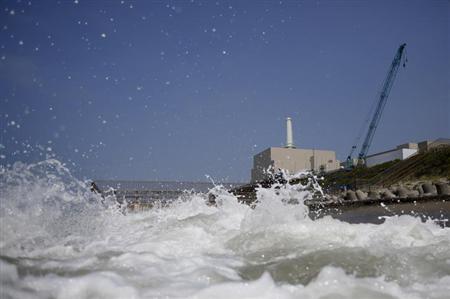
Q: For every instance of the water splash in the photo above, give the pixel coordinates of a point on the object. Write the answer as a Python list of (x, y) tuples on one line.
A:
[(60, 240), (43, 204)]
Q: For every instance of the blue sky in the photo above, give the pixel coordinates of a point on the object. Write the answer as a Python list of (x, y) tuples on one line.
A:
[(176, 90)]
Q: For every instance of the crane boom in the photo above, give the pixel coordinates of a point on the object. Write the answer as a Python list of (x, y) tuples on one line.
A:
[(387, 85)]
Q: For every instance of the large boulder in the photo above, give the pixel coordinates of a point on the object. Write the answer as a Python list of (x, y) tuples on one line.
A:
[(361, 195), (429, 189), (350, 195), (402, 192), (387, 194), (413, 193), (419, 189), (373, 195), (442, 189), (333, 198)]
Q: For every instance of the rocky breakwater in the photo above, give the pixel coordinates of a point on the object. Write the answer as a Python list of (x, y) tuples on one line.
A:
[(427, 200)]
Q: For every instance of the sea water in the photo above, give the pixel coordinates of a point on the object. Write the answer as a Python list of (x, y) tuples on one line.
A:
[(59, 240)]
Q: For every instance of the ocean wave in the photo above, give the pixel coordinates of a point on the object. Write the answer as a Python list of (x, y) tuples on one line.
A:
[(60, 240)]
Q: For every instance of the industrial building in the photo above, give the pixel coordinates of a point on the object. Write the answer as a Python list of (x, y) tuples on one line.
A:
[(404, 151), (401, 152), (292, 159), (426, 145)]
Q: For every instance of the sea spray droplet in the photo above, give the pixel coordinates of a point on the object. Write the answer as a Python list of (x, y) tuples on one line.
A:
[(53, 224), (44, 202)]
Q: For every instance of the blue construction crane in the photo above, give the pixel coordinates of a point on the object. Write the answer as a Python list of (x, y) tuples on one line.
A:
[(387, 85)]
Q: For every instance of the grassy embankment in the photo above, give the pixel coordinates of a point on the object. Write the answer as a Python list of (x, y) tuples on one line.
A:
[(431, 165)]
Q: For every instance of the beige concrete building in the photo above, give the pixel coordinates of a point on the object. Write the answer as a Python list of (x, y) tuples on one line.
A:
[(427, 144), (293, 160)]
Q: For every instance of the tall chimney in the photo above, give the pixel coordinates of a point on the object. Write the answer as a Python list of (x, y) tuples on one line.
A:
[(289, 138)]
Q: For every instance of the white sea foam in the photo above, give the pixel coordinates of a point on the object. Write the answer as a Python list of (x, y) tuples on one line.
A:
[(59, 240)]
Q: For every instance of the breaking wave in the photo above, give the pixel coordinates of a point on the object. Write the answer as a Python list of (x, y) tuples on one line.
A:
[(60, 240)]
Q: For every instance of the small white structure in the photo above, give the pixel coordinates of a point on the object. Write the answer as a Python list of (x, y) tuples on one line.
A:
[(401, 152)]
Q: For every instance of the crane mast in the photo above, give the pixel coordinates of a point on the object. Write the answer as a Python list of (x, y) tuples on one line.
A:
[(387, 85)]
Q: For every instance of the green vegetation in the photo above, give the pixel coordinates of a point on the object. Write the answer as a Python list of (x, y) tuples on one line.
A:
[(434, 163), (356, 176)]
